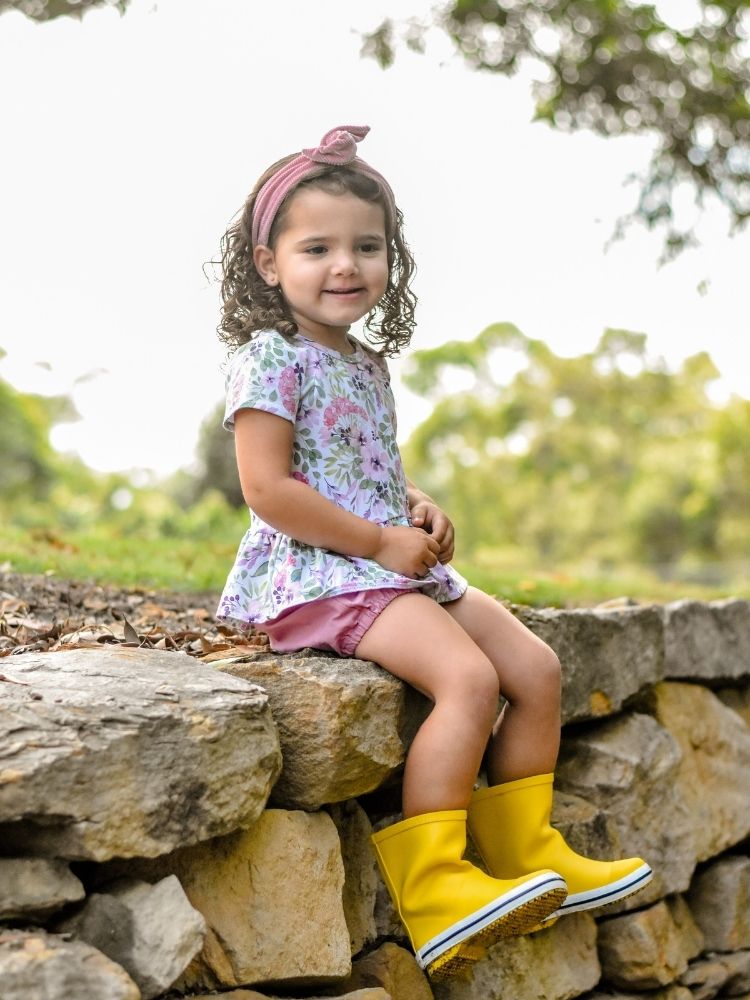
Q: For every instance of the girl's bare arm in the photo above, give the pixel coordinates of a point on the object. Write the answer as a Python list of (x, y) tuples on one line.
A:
[(264, 455)]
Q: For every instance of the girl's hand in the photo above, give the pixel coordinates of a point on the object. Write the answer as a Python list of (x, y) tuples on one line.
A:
[(408, 551), (426, 514)]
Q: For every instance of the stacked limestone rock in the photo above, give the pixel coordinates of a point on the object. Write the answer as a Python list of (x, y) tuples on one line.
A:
[(143, 856)]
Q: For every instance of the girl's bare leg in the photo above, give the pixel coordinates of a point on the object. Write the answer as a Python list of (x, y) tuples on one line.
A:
[(415, 639), (526, 736)]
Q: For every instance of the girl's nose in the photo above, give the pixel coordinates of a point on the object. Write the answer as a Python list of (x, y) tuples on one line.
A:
[(344, 263)]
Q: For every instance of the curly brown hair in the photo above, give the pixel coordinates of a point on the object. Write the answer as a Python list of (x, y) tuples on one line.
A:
[(250, 305)]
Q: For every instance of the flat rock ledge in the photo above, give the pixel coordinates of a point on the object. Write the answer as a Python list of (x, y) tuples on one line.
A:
[(344, 724), (120, 752)]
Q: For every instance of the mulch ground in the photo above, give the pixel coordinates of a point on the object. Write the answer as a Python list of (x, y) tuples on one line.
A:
[(45, 614)]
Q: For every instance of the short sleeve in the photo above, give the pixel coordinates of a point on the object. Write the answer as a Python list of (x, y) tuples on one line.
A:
[(265, 374)]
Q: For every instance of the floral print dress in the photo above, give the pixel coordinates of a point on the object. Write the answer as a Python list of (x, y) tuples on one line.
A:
[(345, 447)]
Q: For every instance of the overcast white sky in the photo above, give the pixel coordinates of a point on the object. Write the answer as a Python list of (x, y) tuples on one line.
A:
[(129, 143)]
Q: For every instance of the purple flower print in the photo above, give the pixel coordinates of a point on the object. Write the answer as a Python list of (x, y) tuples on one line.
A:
[(279, 586), (229, 604), (235, 395), (375, 462)]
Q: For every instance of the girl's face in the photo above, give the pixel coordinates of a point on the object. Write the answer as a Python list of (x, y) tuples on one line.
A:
[(330, 260)]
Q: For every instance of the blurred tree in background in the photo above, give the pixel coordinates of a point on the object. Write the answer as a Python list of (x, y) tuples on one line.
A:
[(616, 68), (29, 464), (47, 10), (216, 464), (596, 464), (57, 515), (607, 456)]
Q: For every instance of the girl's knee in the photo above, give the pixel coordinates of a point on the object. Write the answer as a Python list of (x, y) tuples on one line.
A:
[(545, 672), (549, 664), (539, 682), (475, 684)]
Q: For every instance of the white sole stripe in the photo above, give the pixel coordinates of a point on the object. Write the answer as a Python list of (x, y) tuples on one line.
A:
[(480, 919), (605, 894)]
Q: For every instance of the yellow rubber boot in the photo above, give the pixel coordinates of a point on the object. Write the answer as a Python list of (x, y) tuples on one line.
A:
[(510, 826), (451, 909)]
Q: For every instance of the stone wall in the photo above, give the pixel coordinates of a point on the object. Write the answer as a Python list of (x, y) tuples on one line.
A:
[(172, 828)]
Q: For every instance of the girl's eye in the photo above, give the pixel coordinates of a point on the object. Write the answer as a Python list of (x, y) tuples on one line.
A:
[(370, 248), (316, 250)]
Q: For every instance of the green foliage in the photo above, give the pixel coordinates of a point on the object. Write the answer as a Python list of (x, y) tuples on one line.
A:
[(606, 457), (615, 67), (47, 10), (217, 464), (560, 478), (29, 464)]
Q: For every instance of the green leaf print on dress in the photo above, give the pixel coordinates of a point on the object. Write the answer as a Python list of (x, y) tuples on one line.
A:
[(345, 447)]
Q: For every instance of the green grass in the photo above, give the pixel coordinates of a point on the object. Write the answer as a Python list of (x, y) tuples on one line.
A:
[(108, 554), (579, 589), (128, 560)]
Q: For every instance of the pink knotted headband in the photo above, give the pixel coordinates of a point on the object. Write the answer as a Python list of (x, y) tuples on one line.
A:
[(337, 148)]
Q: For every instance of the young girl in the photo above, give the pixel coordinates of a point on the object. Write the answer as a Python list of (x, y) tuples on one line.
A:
[(346, 554)]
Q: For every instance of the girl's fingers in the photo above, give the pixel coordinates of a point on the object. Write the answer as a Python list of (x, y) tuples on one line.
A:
[(418, 514)]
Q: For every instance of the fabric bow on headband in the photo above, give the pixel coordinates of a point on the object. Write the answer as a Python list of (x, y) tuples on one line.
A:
[(337, 148)]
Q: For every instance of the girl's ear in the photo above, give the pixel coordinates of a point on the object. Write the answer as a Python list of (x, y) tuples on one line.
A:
[(265, 265)]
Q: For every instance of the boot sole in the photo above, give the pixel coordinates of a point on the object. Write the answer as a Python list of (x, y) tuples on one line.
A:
[(605, 895), (455, 951)]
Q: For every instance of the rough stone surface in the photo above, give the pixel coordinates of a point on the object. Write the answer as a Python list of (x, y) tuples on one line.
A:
[(39, 966), (738, 699), (556, 964), (120, 752), (628, 768), (720, 901), (231, 995), (360, 873), (607, 655), (672, 992), (343, 724), (738, 963), (271, 897), (393, 969), (587, 829), (705, 977), (649, 948), (714, 774), (707, 641), (36, 887), (152, 931), (367, 994)]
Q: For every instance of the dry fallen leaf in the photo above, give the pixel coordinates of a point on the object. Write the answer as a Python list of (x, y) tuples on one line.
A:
[(129, 632), (40, 612)]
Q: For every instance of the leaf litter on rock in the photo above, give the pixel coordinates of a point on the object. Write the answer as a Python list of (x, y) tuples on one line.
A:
[(40, 613)]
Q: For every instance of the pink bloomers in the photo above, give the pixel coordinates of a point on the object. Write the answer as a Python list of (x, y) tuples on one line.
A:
[(336, 623)]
